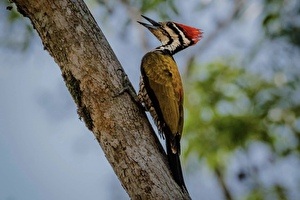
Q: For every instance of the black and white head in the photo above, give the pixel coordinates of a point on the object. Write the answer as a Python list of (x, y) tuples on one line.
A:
[(173, 36)]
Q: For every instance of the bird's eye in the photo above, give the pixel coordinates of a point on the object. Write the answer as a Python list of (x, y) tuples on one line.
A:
[(169, 23)]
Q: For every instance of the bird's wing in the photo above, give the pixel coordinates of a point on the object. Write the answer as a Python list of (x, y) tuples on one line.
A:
[(163, 78)]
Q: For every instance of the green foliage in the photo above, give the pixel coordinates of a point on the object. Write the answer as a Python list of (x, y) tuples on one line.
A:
[(227, 108), (161, 7), (281, 19), (260, 193)]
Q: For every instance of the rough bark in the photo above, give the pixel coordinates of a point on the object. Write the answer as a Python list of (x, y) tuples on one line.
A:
[(93, 76)]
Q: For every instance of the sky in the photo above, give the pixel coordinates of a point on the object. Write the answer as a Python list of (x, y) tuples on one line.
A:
[(47, 153)]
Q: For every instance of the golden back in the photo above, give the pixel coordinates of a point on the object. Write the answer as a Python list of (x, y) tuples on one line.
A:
[(165, 81)]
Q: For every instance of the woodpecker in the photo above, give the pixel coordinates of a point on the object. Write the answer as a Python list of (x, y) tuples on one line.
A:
[(161, 90)]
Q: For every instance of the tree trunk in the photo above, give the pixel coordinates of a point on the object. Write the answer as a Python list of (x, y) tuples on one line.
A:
[(94, 76)]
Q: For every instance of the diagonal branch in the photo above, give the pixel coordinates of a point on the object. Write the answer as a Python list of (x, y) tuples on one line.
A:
[(93, 75)]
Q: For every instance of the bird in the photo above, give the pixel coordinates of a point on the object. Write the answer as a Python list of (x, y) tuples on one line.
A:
[(160, 88)]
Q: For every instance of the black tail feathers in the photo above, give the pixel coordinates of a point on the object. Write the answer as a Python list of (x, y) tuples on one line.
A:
[(174, 163)]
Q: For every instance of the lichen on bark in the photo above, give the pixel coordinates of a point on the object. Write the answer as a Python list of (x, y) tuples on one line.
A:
[(73, 86)]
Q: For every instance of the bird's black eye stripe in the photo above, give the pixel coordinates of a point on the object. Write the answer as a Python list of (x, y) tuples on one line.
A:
[(170, 39), (176, 30), (181, 29)]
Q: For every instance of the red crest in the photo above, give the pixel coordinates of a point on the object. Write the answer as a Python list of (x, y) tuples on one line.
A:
[(192, 33)]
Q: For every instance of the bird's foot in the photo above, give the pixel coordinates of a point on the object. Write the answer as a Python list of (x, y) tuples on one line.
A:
[(127, 87)]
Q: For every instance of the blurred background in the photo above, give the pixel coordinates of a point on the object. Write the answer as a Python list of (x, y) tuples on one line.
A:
[(242, 102)]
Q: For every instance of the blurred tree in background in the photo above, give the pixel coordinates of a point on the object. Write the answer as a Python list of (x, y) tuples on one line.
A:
[(231, 101), (228, 107)]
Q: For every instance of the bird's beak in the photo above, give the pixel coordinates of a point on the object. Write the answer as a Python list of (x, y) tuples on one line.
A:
[(153, 24)]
